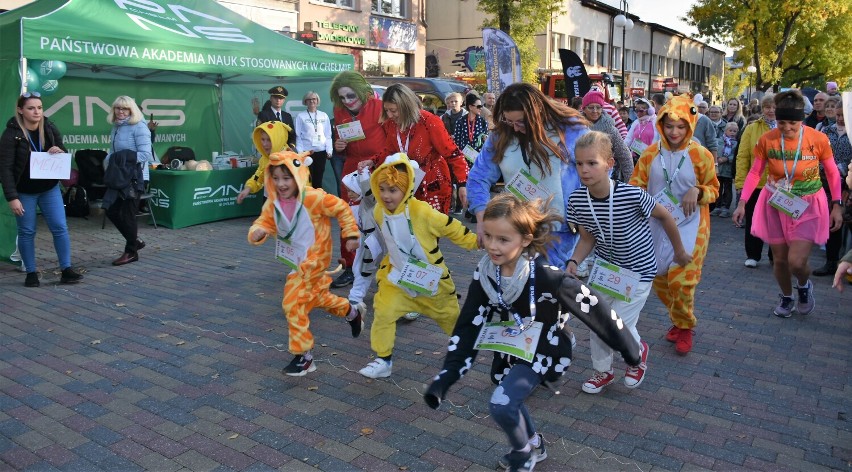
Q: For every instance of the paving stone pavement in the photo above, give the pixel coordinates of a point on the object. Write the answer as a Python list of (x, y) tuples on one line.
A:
[(173, 363)]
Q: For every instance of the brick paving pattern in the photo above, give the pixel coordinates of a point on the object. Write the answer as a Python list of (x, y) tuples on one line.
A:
[(173, 363)]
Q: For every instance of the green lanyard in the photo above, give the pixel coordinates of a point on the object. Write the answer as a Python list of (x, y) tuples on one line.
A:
[(666, 171), (792, 174), (410, 231)]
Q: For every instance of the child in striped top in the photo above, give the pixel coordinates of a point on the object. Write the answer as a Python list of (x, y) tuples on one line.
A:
[(612, 218)]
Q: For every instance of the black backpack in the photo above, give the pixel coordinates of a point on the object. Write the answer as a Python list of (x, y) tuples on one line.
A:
[(76, 202)]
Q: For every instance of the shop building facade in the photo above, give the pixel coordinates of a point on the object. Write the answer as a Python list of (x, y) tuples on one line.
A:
[(656, 58)]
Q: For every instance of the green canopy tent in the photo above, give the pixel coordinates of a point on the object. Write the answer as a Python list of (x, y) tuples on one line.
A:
[(206, 67)]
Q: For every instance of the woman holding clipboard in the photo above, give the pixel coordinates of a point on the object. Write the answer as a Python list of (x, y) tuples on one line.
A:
[(360, 137), (30, 132)]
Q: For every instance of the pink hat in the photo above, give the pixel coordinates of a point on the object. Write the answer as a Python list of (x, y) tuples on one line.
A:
[(593, 97)]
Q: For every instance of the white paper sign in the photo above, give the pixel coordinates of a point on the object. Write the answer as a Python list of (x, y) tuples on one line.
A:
[(351, 131), (420, 276), (470, 153), (671, 204), (50, 166), (526, 187)]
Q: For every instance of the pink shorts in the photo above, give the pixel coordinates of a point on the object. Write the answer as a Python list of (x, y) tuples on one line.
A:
[(775, 227)]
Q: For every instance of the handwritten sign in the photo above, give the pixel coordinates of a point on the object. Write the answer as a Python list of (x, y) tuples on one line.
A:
[(50, 166)]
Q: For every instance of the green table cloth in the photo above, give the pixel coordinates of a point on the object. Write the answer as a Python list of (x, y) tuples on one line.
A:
[(184, 198)]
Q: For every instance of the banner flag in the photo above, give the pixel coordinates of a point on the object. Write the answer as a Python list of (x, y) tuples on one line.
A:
[(502, 60), (577, 80)]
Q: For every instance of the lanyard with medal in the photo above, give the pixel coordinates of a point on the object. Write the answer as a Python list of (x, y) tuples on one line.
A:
[(611, 279), (407, 141), (783, 199), (791, 174), (518, 321)]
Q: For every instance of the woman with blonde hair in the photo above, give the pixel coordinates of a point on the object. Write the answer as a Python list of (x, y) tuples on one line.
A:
[(27, 132), (423, 137), (313, 133), (129, 132)]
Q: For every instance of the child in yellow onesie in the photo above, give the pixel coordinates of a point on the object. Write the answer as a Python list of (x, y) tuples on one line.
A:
[(412, 277), (298, 216), (268, 137), (681, 175)]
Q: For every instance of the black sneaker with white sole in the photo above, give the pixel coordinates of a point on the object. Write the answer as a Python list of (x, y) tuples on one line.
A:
[(299, 366), (538, 454)]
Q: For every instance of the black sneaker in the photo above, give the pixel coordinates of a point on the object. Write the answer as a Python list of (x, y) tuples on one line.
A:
[(346, 278), (299, 366), (70, 276), (357, 323), (538, 454), (32, 280)]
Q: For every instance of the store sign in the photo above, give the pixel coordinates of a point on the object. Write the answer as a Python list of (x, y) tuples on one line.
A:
[(640, 82), (338, 33)]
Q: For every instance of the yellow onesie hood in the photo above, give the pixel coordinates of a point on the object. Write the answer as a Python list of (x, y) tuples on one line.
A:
[(278, 133), (389, 174), (299, 166), (678, 108)]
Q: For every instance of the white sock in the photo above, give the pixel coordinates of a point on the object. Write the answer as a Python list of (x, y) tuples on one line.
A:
[(535, 441), (308, 355), (353, 312)]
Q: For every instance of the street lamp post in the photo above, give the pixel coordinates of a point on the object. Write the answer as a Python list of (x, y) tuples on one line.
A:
[(622, 21), (751, 70)]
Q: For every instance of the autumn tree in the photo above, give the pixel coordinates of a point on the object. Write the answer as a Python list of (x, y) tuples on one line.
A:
[(522, 20), (791, 43)]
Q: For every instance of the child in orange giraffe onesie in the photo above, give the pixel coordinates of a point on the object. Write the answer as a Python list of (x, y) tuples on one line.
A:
[(681, 175), (298, 217)]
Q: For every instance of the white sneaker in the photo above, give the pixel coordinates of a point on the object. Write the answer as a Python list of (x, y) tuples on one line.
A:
[(751, 263), (377, 369), (411, 316)]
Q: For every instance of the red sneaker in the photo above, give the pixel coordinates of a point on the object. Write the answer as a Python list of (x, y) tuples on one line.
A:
[(635, 375), (598, 382), (673, 334), (684, 342)]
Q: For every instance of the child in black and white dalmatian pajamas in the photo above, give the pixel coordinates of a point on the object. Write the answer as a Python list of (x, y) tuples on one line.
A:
[(514, 284)]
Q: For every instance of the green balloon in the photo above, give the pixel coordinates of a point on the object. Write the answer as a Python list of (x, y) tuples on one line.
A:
[(32, 80), (48, 87), (50, 70)]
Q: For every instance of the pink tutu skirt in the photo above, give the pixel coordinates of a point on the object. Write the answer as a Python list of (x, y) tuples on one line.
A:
[(775, 227)]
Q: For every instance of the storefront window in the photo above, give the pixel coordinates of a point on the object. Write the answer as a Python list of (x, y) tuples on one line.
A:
[(383, 63)]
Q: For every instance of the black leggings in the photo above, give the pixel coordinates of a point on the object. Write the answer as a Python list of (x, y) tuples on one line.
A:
[(122, 213)]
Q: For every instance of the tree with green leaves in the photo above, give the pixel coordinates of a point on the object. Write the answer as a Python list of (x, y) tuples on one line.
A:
[(522, 20), (791, 43)]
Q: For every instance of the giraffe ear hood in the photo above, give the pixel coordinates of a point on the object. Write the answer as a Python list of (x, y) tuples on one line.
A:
[(678, 108), (297, 164)]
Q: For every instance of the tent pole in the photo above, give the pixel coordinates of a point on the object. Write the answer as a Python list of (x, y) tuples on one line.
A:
[(220, 84)]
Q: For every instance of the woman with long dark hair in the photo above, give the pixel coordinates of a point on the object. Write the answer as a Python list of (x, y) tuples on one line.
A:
[(532, 149)]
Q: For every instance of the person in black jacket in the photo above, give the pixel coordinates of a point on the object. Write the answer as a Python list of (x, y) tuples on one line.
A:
[(273, 110), (534, 300), (29, 131)]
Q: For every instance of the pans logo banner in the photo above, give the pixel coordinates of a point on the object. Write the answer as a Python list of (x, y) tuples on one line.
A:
[(181, 20)]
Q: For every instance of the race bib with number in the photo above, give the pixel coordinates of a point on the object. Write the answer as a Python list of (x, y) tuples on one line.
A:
[(638, 146), (787, 203), (351, 131), (470, 153), (526, 187), (615, 281), (667, 199), (286, 253), (499, 337), (420, 276)]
